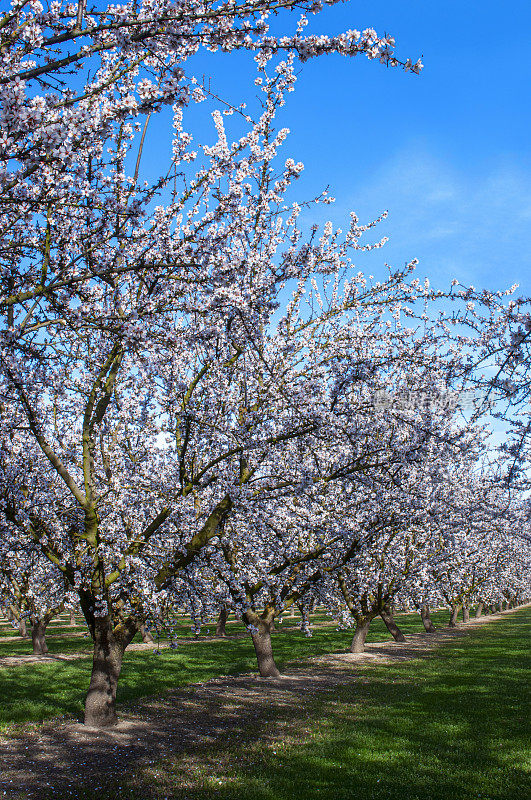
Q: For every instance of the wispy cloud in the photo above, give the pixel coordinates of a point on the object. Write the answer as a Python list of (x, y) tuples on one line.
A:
[(459, 223)]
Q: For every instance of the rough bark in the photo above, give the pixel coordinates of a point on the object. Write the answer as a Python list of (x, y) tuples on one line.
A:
[(360, 634), (261, 636), (466, 613), (147, 638), (479, 609), (387, 616), (100, 704), (222, 621), (500, 606), (38, 638), (453, 615), (429, 627), (22, 630)]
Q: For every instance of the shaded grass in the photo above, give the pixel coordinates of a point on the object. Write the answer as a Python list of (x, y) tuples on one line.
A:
[(35, 692)]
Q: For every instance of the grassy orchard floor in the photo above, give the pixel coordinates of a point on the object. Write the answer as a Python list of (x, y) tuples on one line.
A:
[(36, 692), (451, 725)]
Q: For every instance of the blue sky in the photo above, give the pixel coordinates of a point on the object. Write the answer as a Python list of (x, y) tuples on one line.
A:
[(447, 153)]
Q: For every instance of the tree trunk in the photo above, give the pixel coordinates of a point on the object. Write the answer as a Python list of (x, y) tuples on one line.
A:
[(22, 630), (147, 638), (387, 616), (429, 627), (500, 606), (360, 634), (100, 705), (453, 615), (38, 638), (479, 609), (466, 613), (261, 636), (222, 621), (72, 618)]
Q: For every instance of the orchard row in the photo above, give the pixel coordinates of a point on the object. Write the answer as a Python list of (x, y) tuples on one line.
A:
[(205, 404)]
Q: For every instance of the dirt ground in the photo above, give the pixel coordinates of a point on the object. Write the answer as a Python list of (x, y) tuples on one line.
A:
[(46, 758)]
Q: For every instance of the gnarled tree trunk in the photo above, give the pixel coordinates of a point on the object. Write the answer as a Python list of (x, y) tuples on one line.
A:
[(222, 621), (429, 627), (22, 630), (100, 704), (363, 623), (261, 636), (387, 616), (479, 609), (466, 613), (147, 638), (453, 615), (38, 638)]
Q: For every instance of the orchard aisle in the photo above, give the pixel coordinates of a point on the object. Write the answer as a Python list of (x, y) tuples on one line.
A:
[(56, 759)]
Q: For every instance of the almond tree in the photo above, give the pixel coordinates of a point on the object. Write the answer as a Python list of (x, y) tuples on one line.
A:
[(76, 78), (32, 589), (349, 497), (132, 329)]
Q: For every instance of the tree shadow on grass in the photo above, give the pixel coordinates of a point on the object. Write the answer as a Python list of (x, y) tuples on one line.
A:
[(445, 727), (456, 729)]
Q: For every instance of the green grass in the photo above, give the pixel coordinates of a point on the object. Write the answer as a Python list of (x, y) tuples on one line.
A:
[(452, 726), (35, 692)]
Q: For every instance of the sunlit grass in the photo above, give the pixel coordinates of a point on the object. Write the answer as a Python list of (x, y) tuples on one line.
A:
[(450, 726), (36, 692), (453, 726)]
